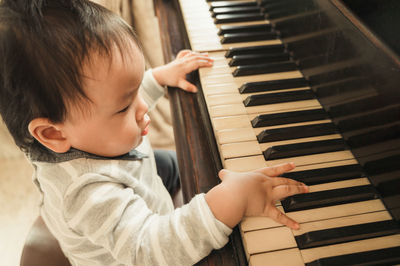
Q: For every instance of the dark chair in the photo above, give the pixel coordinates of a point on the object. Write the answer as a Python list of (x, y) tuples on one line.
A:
[(41, 248)]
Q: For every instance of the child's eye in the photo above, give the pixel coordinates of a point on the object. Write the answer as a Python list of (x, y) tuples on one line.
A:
[(124, 110)]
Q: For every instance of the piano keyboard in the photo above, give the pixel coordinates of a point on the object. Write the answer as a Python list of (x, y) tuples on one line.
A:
[(263, 113), (203, 33)]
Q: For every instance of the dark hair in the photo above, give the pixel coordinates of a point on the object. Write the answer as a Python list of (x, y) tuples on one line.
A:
[(43, 45)]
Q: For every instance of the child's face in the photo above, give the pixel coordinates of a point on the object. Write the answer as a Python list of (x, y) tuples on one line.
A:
[(116, 119)]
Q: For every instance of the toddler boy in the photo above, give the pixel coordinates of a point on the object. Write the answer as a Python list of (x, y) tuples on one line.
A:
[(75, 96)]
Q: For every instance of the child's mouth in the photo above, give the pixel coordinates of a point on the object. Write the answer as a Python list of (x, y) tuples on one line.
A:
[(147, 123), (145, 131)]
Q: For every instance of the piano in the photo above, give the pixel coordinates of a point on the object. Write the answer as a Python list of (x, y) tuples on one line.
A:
[(316, 82)]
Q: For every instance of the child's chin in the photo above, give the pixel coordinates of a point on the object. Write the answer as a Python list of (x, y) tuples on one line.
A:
[(138, 142)]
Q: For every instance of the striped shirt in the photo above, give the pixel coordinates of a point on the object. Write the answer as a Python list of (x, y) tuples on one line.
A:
[(116, 211)]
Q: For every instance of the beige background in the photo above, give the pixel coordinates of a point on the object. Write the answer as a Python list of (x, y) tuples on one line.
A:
[(18, 197)]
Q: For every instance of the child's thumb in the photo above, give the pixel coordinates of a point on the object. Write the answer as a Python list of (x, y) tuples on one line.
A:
[(223, 173), (187, 86)]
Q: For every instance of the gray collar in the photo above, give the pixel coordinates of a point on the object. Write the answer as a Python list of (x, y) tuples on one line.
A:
[(39, 153)]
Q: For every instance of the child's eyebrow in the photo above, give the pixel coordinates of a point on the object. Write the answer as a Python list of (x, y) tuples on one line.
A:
[(128, 94)]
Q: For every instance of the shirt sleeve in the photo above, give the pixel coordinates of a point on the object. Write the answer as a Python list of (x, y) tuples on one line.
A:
[(112, 216), (150, 89)]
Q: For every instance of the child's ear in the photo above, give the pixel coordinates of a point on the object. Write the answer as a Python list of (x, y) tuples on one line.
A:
[(49, 134)]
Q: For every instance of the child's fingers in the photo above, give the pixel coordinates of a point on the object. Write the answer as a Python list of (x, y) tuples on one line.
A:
[(202, 57), (183, 53), (191, 54), (195, 64), (276, 170), (187, 86), (283, 191), (282, 181), (281, 218), (199, 58)]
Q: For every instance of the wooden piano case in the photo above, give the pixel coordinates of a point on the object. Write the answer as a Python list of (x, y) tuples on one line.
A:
[(197, 153)]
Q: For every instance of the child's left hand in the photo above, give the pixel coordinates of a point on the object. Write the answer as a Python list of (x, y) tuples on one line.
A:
[(174, 73)]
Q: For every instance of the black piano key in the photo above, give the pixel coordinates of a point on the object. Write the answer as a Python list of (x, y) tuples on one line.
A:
[(264, 2), (385, 164), (258, 58), (282, 12), (248, 37), (227, 4), (329, 198), (303, 148), (326, 175), (244, 17), (235, 10), (289, 117), (272, 4), (296, 132), (264, 49), (387, 256), (371, 119), (271, 85), (374, 136), (347, 233), (246, 28), (389, 188), (280, 97), (340, 86), (355, 106), (264, 68)]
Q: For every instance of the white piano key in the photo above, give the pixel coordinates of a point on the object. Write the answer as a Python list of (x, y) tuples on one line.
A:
[(268, 240), (240, 121), (228, 78), (341, 210), (290, 257), (240, 149), (369, 217), (248, 163), (312, 254), (340, 184), (236, 136), (240, 109), (243, 121), (236, 97), (258, 222)]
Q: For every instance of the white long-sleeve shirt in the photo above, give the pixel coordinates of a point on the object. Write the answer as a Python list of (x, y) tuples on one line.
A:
[(116, 211)]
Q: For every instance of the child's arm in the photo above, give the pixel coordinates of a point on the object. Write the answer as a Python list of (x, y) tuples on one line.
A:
[(253, 193), (174, 73), (138, 226)]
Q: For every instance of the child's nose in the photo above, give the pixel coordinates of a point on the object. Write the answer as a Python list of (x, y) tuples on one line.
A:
[(142, 109)]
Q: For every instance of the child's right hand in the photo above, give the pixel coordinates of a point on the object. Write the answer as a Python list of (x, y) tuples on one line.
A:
[(253, 194), (174, 73)]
